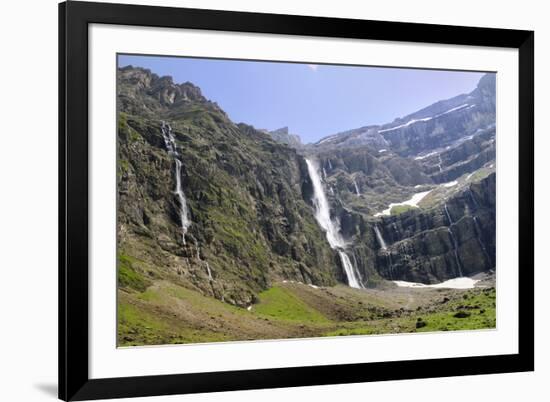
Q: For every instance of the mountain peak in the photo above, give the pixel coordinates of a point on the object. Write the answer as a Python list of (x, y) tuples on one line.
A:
[(283, 135), (488, 81)]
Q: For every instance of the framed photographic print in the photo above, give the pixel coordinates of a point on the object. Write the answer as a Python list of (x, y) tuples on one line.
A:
[(257, 200)]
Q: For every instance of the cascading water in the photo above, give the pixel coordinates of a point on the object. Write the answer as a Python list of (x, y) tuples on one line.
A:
[(322, 215), (209, 272), (455, 245), (170, 143), (439, 164), (349, 269), (207, 265), (384, 247), (390, 263), (448, 215), (455, 248), (380, 238), (480, 240), (356, 187), (356, 264)]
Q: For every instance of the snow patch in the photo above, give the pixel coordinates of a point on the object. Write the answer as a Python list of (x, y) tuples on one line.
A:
[(455, 283), (466, 105), (299, 283), (327, 139), (450, 184), (404, 125), (454, 109), (413, 202), (420, 157)]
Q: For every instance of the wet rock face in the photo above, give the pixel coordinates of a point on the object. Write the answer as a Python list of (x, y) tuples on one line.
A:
[(436, 245)]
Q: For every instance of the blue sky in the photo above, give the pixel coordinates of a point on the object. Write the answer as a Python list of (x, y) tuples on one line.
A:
[(312, 100)]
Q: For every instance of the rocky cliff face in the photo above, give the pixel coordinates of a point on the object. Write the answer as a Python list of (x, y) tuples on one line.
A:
[(248, 194), (455, 238), (446, 150), (450, 238), (445, 122), (250, 221)]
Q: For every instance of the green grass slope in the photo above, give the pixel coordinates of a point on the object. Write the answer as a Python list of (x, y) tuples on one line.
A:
[(166, 313)]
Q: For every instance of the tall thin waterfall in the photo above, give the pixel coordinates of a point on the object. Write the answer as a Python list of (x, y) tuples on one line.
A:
[(349, 269), (455, 248), (208, 270), (480, 240), (448, 215), (384, 247), (380, 238), (440, 163), (392, 275), (322, 215), (356, 187), (170, 143)]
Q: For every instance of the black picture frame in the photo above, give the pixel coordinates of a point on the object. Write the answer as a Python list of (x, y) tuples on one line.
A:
[(74, 18)]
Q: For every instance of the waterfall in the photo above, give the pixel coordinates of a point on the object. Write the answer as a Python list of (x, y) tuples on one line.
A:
[(392, 276), (439, 164), (185, 222), (198, 250), (208, 270), (329, 164), (380, 238), (455, 248), (480, 240), (384, 247), (322, 215), (349, 270), (455, 245), (170, 143), (448, 215), (356, 264), (169, 139), (356, 187), (324, 174)]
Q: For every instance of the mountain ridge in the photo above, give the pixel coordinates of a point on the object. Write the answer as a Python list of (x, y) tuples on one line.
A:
[(250, 196), (374, 134)]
